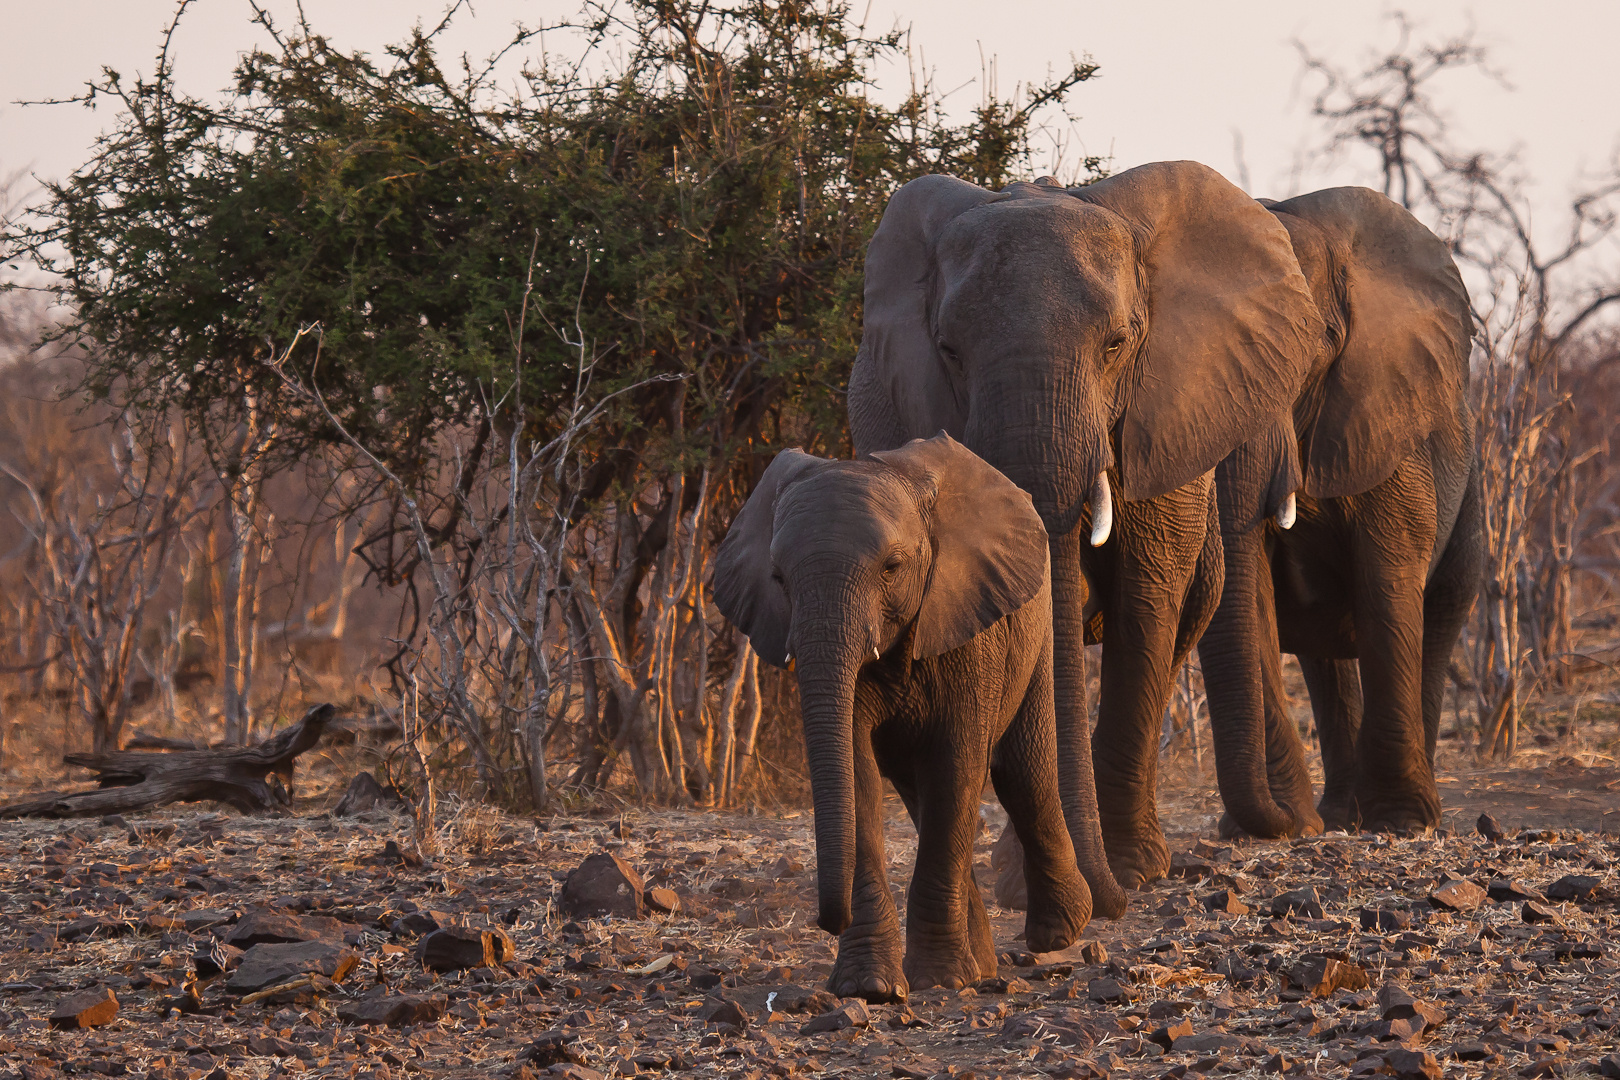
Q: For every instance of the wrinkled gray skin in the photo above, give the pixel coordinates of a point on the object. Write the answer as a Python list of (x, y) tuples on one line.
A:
[(1371, 585), (1120, 338), (911, 596)]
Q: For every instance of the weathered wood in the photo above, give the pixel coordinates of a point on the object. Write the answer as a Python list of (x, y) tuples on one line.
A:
[(140, 780)]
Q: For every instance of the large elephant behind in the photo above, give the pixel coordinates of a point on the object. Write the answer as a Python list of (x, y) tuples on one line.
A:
[(1384, 559), (1125, 336)]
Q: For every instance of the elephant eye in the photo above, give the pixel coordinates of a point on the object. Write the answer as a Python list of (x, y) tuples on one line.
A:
[(1116, 341), (891, 565), (948, 353), (781, 582)]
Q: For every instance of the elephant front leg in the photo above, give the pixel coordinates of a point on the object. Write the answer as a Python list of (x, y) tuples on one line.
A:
[(1157, 545), (870, 953), (941, 925), (1022, 767), (1395, 783)]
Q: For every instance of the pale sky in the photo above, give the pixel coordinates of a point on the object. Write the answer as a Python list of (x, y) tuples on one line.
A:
[(1178, 76)]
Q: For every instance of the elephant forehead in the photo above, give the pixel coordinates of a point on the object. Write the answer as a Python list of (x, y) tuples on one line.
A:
[(1051, 236), (853, 507)]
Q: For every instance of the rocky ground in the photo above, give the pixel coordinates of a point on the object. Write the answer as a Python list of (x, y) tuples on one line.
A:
[(187, 945)]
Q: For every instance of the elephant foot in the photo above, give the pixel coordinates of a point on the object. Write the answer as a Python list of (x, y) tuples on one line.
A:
[(1416, 812), (952, 967), (1137, 858), (1056, 916), (1339, 813), (869, 966), (1308, 823)]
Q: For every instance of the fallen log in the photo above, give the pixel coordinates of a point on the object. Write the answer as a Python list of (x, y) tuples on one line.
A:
[(140, 780)]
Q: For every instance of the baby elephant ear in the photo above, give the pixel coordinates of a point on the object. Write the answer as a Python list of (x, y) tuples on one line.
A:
[(990, 548), (742, 588)]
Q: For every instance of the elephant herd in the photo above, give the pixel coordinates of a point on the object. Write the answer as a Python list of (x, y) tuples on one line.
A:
[(1150, 412)]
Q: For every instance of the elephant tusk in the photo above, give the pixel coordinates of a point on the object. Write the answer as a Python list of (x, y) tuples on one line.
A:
[(1285, 513), (875, 654), (1102, 511), (790, 661)]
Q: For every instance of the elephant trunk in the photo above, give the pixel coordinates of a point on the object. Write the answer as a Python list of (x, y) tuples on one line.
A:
[(1077, 781), (1046, 430), (828, 659), (1230, 657)]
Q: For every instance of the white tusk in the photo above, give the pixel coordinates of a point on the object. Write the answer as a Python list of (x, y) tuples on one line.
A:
[(875, 654), (1285, 513), (1102, 511), (789, 664)]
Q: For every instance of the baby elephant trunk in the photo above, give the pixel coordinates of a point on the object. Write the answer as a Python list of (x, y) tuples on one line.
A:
[(827, 702)]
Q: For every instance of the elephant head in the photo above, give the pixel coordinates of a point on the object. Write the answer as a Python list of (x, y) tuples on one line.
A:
[(830, 565), (1148, 323), (1393, 359)]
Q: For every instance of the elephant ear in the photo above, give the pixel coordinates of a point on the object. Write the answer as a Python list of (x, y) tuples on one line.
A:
[(1231, 326), (1402, 366), (743, 589), (990, 548), (897, 335)]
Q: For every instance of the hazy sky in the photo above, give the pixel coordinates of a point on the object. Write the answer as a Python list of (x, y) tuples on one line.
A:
[(1178, 76)]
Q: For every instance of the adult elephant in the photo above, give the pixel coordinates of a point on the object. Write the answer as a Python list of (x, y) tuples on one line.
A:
[(1371, 585), (1120, 337)]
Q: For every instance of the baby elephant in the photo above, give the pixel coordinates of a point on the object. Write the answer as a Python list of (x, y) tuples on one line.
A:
[(912, 596)]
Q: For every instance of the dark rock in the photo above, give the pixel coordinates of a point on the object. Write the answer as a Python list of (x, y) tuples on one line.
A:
[(852, 1013), (1225, 902), (1533, 912), (1092, 952), (272, 964), (1489, 829), (216, 958), (1396, 1003), (1166, 1036), (1188, 865), (395, 1010), (1305, 902), (1385, 919), (1508, 890), (271, 1046), (1458, 894), (43, 941), (727, 1013), (280, 927), (552, 1048), (663, 900), (1413, 1065), (86, 1009), (1320, 976), (199, 919), (1609, 1066), (1209, 1042), (1109, 991), (421, 921), (1574, 887), (94, 926), (456, 947), (603, 884), (364, 793)]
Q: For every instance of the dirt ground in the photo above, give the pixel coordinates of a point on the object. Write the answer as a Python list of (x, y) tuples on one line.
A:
[(1337, 956)]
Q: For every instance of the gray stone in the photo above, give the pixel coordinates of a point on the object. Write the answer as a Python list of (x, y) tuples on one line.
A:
[(395, 1010), (274, 963), (603, 884)]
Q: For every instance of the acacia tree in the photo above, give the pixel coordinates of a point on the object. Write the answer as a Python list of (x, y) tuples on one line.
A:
[(686, 202), (1549, 487)]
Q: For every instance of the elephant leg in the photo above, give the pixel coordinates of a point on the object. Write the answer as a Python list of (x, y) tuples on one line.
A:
[(1286, 772), (870, 952), (1232, 657), (1393, 543), (1335, 689), (940, 950), (1157, 543), (1077, 780), (1022, 767), (1450, 594)]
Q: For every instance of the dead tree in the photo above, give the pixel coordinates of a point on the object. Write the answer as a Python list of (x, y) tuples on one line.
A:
[(132, 780)]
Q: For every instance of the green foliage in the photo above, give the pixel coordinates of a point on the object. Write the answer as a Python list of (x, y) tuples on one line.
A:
[(693, 200)]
